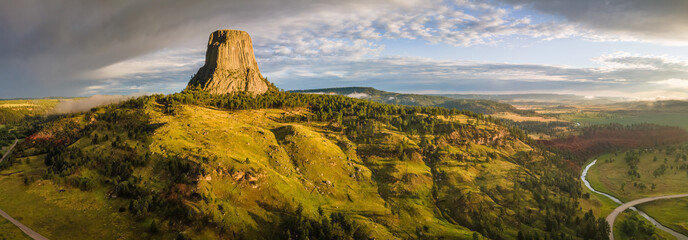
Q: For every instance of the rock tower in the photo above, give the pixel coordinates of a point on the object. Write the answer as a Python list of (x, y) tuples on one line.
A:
[(230, 65)]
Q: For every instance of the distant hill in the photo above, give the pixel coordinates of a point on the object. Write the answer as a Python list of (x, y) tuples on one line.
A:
[(372, 94), (540, 99), (653, 106)]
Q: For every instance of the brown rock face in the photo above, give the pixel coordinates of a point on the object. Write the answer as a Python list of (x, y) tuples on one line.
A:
[(230, 65)]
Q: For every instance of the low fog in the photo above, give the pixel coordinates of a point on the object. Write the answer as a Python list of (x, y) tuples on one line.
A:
[(86, 104)]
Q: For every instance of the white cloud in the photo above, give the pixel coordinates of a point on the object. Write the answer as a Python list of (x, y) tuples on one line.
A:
[(674, 83), (159, 62), (409, 74)]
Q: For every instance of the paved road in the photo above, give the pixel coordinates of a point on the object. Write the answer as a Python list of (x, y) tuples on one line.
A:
[(24, 229), (33, 234), (612, 216), (9, 150)]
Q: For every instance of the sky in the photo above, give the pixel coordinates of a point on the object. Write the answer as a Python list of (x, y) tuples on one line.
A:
[(625, 48)]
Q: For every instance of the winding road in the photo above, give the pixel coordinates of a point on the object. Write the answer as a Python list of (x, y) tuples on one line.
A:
[(28, 231), (612, 216)]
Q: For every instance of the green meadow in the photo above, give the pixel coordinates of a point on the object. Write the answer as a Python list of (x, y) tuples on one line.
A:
[(661, 171), (677, 119), (670, 212), (58, 211)]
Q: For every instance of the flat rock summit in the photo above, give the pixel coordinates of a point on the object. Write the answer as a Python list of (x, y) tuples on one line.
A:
[(230, 65)]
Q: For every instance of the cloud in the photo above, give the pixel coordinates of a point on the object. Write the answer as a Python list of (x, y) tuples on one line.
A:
[(674, 83), (653, 20), (68, 48), (85, 104), (65, 47), (620, 74)]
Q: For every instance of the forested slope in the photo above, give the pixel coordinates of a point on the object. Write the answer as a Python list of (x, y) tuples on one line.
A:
[(295, 166), (372, 94)]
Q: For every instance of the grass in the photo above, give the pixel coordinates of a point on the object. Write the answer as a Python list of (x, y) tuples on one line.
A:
[(58, 211), (301, 162), (660, 118), (30, 104), (619, 234), (609, 176), (258, 167), (599, 204), (670, 212), (10, 232), (286, 164), (520, 118)]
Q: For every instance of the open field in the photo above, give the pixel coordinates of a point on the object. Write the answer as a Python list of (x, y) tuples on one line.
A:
[(12, 111), (57, 211), (10, 232), (603, 206), (670, 212), (619, 234), (611, 174), (522, 118), (660, 118)]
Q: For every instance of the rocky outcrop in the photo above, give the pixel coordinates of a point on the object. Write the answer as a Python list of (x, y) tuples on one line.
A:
[(230, 65)]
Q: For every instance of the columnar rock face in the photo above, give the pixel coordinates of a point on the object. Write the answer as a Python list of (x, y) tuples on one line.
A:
[(230, 65)]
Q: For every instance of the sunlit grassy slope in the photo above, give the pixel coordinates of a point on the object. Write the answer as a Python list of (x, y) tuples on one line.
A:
[(12, 111), (260, 162), (212, 173)]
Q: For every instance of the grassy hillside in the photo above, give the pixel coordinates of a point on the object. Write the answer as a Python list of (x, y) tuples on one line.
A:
[(474, 105), (289, 165)]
